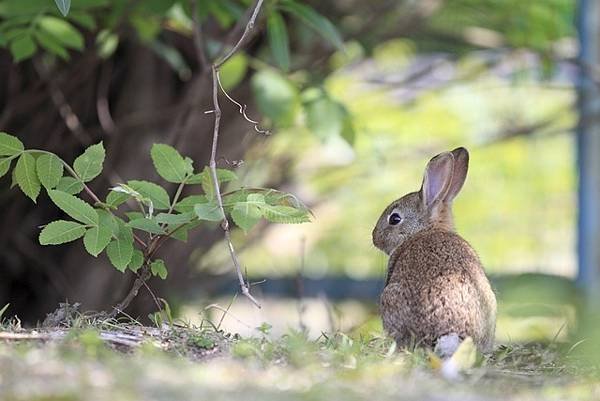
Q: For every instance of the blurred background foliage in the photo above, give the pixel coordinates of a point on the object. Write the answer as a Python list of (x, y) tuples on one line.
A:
[(357, 95)]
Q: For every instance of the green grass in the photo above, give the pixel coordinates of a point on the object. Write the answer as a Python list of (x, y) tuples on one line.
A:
[(185, 362)]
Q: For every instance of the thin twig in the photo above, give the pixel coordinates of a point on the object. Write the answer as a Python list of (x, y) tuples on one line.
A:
[(245, 288), (138, 283), (249, 27), (242, 109), (226, 312)]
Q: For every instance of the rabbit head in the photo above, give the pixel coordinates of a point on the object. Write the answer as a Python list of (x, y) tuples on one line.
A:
[(429, 207)]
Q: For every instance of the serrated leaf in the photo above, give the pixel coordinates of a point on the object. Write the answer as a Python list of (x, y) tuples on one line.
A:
[(169, 164), (10, 145), (137, 260), (70, 185), (115, 199), (207, 182), (63, 6), (134, 215), (74, 207), (62, 31), (187, 204), (89, 165), (49, 170), (314, 20), (157, 194), (174, 219), (60, 232), (208, 211), (278, 40), (245, 215), (5, 165), (120, 250), (284, 214), (223, 175), (147, 225), (158, 268), (26, 176), (22, 47), (109, 220), (179, 233), (97, 238)]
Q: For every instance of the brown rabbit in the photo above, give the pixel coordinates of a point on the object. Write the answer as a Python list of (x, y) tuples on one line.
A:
[(435, 288)]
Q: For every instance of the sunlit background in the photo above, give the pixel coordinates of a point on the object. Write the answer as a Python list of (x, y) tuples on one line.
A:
[(362, 139), (365, 95)]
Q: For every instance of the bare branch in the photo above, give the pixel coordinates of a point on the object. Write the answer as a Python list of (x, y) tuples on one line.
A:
[(247, 30), (245, 288)]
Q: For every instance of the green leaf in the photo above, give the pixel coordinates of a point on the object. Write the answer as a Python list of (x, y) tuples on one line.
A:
[(22, 47), (60, 232), (5, 165), (134, 215), (314, 20), (156, 193), (26, 177), (63, 6), (187, 204), (233, 71), (284, 214), (106, 42), (147, 225), (74, 207), (246, 215), (223, 175), (62, 31), (70, 185), (137, 260), (277, 97), (278, 40), (205, 179), (98, 237), (89, 165), (50, 44), (10, 145), (115, 199), (49, 170), (208, 211), (158, 268), (169, 164), (84, 19), (120, 250), (174, 219), (324, 117)]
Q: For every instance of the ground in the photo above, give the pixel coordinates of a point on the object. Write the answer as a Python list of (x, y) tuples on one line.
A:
[(96, 359)]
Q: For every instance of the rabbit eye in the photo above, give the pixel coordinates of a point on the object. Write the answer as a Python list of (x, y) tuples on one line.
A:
[(394, 219)]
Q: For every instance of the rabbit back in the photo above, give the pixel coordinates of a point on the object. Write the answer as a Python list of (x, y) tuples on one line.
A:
[(436, 286)]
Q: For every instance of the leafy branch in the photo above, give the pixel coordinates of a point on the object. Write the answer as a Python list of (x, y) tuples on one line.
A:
[(153, 213)]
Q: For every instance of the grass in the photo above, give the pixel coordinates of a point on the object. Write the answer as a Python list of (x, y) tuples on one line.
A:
[(96, 359)]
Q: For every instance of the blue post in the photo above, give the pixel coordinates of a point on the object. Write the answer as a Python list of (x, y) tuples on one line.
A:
[(588, 148)]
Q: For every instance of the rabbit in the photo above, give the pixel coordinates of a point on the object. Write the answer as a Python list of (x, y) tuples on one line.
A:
[(436, 291)]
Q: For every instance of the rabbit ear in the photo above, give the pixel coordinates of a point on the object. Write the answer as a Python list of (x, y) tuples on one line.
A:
[(459, 173), (437, 178)]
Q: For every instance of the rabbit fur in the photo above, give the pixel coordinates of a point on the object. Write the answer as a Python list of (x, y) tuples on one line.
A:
[(435, 286)]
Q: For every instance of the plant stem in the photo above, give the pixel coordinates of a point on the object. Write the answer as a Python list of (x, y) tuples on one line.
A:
[(244, 286), (87, 189), (138, 283)]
